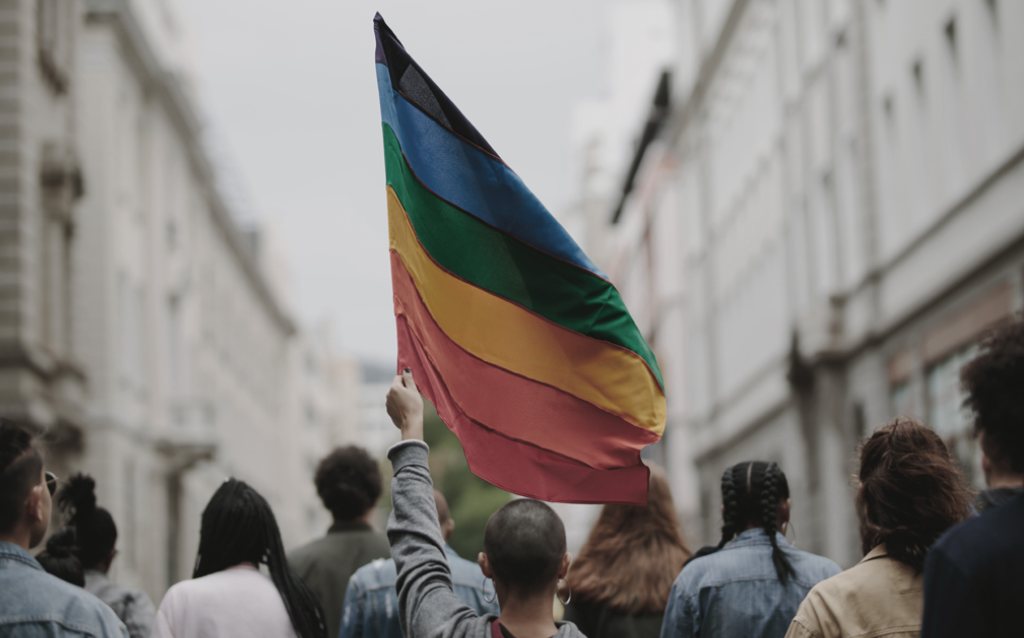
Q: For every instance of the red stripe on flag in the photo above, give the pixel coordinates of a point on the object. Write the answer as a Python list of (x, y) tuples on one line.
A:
[(515, 466), (515, 406)]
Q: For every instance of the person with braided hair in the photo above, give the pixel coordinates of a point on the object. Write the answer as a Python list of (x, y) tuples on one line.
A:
[(228, 595), (95, 541), (911, 491), (753, 581)]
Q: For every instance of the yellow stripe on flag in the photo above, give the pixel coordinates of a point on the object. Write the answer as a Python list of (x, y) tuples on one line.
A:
[(507, 335)]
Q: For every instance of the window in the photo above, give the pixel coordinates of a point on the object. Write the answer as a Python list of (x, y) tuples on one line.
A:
[(918, 71), (950, 31), (901, 399), (946, 413), (55, 21)]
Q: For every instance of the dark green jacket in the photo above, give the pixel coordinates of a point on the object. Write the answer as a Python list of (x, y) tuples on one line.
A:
[(326, 564)]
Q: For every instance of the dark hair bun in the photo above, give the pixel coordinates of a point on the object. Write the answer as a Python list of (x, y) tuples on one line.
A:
[(62, 543), (77, 499)]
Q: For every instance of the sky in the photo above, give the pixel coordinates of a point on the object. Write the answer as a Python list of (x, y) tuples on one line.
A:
[(289, 91)]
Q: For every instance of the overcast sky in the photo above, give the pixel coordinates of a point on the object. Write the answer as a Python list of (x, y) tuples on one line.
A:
[(290, 90)]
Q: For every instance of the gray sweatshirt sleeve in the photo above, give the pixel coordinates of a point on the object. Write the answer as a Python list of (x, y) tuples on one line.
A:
[(427, 606)]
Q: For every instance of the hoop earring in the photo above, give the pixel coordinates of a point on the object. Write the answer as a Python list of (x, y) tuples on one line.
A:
[(484, 587), (567, 586)]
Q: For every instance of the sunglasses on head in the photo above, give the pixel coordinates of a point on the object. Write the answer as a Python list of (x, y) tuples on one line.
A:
[(51, 483)]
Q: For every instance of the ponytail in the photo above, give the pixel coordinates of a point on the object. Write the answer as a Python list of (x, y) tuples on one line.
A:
[(730, 512), (769, 512), (94, 527)]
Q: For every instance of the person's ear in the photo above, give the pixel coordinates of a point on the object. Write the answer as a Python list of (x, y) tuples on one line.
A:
[(35, 504), (448, 529), (485, 565), (785, 509), (563, 568), (986, 464)]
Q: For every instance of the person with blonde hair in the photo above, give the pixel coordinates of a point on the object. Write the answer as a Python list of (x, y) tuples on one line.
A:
[(619, 584)]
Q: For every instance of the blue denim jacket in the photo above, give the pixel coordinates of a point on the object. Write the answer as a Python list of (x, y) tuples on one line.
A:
[(736, 592), (35, 604), (371, 602)]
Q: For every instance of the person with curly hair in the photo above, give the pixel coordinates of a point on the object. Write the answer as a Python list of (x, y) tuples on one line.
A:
[(752, 582), (911, 491), (619, 584), (349, 484), (974, 576)]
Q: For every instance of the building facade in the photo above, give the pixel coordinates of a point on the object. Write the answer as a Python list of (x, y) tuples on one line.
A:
[(843, 185), (142, 327), (40, 380)]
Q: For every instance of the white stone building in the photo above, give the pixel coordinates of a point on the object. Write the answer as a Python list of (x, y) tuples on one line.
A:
[(843, 185), (142, 326)]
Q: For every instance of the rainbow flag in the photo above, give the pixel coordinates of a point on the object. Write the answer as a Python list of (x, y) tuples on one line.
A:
[(522, 344)]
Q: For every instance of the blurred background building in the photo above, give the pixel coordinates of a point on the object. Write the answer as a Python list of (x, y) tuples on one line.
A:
[(813, 209), (822, 212), (143, 325)]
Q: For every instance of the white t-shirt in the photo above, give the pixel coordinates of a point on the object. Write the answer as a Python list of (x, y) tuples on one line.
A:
[(239, 601)]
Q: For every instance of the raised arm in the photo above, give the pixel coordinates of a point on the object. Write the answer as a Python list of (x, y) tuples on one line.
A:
[(427, 604)]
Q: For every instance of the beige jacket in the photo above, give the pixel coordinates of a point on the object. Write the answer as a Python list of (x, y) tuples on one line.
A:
[(879, 596)]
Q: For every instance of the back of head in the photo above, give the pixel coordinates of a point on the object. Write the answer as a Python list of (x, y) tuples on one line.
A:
[(992, 382), (525, 543), (910, 491), (348, 482), (238, 526), (59, 558), (94, 526), (633, 554), (751, 494), (21, 466)]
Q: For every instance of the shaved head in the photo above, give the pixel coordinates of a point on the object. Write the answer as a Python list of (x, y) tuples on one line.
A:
[(525, 544)]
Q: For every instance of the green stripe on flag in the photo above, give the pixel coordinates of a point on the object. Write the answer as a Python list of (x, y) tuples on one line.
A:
[(493, 260)]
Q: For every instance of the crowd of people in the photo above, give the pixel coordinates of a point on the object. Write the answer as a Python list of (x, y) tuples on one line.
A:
[(939, 560)]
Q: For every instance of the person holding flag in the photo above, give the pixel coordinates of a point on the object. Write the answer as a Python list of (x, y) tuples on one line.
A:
[(522, 344), (524, 549)]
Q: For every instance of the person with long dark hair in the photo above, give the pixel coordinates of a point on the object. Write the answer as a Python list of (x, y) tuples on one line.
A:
[(228, 595), (95, 541), (911, 491), (752, 582), (618, 586)]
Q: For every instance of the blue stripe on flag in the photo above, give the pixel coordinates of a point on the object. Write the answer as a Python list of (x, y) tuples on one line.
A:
[(472, 180)]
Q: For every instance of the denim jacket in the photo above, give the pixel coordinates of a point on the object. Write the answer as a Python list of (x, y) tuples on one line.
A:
[(371, 602), (736, 592), (35, 604)]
